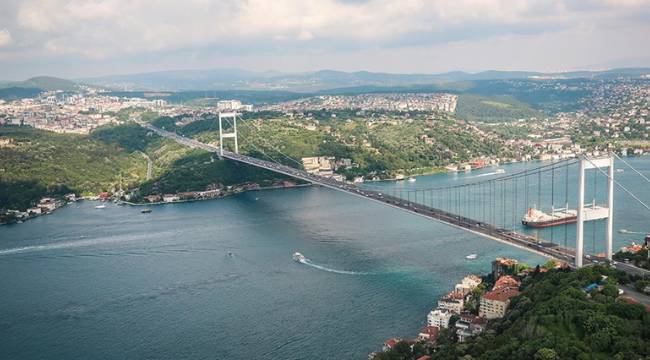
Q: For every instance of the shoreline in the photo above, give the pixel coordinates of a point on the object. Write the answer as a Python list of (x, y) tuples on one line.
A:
[(214, 198), (93, 198)]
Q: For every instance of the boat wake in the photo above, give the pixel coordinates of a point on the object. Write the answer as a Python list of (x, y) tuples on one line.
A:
[(486, 174), (320, 267), (68, 245)]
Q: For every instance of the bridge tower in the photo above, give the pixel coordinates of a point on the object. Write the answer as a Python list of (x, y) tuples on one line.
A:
[(592, 212), (233, 134)]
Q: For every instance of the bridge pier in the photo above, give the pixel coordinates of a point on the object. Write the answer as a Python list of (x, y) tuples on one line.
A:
[(594, 212), (232, 134)]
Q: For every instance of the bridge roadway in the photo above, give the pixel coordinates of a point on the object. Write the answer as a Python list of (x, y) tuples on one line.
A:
[(522, 241)]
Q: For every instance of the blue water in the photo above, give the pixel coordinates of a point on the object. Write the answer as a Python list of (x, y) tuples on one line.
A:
[(114, 283)]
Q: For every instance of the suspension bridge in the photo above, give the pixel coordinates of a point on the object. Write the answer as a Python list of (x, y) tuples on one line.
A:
[(491, 208)]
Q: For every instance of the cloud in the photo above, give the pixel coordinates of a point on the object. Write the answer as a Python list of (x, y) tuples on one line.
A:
[(108, 30), (5, 37)]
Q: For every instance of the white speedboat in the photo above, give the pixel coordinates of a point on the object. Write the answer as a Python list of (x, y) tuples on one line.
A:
[(411, 179), (471, 256), (500, 171), (298, 257), (100, 206)]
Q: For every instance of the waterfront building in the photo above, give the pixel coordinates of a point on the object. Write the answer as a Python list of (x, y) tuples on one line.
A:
[(429, 334), (503, 266), (469, 283), (439, 318), (171, 197), (453, 301), (390, 343)]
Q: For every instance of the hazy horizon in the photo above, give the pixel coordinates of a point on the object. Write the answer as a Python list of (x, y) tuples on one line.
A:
[(84, 39)]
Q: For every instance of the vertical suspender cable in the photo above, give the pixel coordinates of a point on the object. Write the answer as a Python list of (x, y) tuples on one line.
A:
[(566, 202), (552, 199)]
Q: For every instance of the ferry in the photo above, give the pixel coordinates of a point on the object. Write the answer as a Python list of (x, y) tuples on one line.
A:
[(100, 206), (298, 257), (471, 256), (538, 219)]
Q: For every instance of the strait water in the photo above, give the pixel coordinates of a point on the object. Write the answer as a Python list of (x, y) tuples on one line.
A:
[(86, 283)]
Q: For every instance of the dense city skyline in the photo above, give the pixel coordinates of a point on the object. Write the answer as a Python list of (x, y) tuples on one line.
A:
[(94, 38)]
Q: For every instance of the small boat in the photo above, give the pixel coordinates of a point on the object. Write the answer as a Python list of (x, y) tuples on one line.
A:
[(411, 179), (100, 206), (500, 171), (146, 211), (471, 256), (230, 254), (620, 170), (298, 257)]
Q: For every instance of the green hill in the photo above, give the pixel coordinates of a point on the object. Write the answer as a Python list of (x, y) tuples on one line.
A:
[(493, 108), (554, 318), (40, 163), (43, 83)]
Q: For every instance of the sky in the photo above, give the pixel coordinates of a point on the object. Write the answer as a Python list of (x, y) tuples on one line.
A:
[(85, 38)]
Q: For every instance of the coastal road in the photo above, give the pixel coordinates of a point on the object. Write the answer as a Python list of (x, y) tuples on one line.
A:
[(149, 166), (631, 292)]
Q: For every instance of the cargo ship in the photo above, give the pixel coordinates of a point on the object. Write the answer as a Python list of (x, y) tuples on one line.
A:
[(538, 219)]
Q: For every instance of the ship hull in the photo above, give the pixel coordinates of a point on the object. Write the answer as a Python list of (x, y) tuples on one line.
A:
[(555, 222)]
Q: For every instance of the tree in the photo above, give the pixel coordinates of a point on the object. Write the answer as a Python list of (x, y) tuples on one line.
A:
[(546, 354)]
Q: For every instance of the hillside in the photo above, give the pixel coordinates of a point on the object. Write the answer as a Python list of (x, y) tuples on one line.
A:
[(384, 147), (43, 83), (493, 108), (38, 163), (554, 318)]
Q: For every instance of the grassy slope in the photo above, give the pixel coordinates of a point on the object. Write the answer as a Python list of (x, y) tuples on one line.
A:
[(493, 108)]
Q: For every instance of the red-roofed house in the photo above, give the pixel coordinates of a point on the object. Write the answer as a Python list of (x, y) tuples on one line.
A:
[(495, 303), (429, 334), (390, 343), (506, 281)]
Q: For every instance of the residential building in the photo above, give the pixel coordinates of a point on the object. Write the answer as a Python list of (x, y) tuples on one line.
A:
[(390, 343), (469, 283), (494, 304), (429, 334), (439, 318), (469, 325), (453, 301), (503, 266), (506, 281)]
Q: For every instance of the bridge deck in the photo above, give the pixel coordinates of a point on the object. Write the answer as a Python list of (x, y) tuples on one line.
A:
[(489, 231), (521, 241)]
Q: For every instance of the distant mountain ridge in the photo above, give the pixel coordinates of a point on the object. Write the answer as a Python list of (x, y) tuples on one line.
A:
[(316, 81), (225, 79)]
